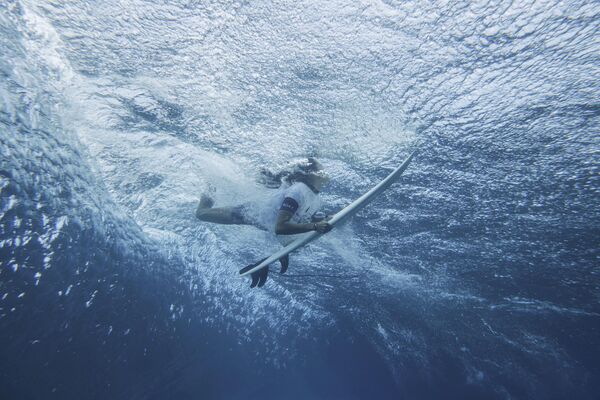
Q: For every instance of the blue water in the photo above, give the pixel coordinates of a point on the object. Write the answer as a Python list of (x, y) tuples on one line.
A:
[(476, 276)]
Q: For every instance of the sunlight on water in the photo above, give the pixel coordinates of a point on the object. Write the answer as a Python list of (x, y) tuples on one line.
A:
[(117, 116)]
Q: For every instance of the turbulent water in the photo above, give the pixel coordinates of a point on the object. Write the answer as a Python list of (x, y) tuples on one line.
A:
[(476, 276)]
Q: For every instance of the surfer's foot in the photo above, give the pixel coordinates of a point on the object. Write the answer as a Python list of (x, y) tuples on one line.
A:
[(204, 204), (206, 201)]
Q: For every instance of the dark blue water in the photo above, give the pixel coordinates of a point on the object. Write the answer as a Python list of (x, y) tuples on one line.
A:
[(476, 276)]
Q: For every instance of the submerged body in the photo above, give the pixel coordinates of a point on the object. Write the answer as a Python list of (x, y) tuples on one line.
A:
[(286, 212), (348, 211), (298, 199)]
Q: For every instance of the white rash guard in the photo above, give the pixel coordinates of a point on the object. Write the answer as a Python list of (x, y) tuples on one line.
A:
[(298, 199)]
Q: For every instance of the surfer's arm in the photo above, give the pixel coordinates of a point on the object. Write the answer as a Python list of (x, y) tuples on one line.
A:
[(285, 227)]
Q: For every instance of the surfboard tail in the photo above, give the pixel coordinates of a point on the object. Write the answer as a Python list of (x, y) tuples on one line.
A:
[(249, 267), (258, 277)]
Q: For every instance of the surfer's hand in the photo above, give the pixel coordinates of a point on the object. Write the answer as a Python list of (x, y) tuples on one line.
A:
[(323, 227)]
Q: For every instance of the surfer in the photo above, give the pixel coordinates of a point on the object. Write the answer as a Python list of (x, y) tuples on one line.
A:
[(292, 209)]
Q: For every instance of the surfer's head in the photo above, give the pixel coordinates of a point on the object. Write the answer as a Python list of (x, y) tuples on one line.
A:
[(310, 172), (306, 170)]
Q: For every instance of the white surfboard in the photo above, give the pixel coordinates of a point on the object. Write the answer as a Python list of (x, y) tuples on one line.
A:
[(339, 217)]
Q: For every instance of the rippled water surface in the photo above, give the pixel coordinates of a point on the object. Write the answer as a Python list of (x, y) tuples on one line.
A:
[(475, 276)]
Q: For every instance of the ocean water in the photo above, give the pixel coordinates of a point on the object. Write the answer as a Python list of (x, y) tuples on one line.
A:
[(476, 276)]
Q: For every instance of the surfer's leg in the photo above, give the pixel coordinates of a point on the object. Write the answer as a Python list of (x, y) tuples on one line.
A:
[(221, 215)]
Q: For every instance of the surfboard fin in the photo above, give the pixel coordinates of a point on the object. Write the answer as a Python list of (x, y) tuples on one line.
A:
[(285, 262), (259, 277), (262, 276)]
